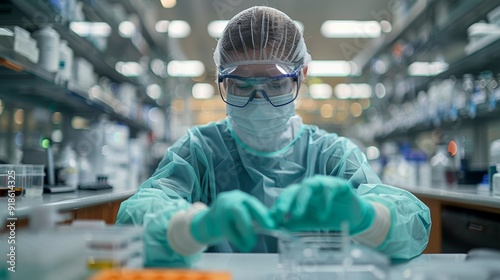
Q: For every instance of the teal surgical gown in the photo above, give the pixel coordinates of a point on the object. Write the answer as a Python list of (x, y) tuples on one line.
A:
[(208, 161)]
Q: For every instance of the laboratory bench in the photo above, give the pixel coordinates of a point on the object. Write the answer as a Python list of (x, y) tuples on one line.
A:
[(267, 266), (460, 214), (80, 204)]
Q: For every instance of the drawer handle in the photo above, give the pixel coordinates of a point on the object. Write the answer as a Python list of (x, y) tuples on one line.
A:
[(475, 227)]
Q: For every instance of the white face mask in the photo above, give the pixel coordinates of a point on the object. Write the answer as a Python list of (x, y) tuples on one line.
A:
[(261, 126), (259, 117)]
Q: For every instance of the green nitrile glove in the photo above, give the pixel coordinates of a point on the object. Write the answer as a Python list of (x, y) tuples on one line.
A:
[(322, 202), (233, 216)]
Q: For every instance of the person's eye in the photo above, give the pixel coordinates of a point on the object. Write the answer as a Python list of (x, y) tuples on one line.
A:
[(243, 86), (278, 84), (238, 87)]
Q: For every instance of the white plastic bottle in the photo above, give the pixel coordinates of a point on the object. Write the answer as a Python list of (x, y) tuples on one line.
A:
[(443, 169), (496, 184), (85, 171), (494, 166), (65, 61), (48, 43), (67, 163)]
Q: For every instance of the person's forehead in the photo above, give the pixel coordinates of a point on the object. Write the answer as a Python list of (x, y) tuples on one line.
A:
[(260, 70)]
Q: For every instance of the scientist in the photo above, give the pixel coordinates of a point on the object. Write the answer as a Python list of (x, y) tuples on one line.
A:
[(261, 167)]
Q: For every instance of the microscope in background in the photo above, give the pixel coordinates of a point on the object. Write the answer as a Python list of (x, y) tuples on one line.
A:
[(64, 176)]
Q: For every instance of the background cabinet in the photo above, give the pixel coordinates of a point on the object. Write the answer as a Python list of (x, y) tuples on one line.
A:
[(458, 227)]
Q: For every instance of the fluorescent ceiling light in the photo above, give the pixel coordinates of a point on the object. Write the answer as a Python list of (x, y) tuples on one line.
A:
[(320, 91), (203, 91), (185, 68), (168, 3), (85, 28), (332, 68), (158, 67), (427, 68), (154, 91), (155, 114), (178, 29), (216, 27), (372, 153), (162, 26), (353, 91), (129, 69), (380, 90), (350, 29), (385, 26), (126, 29)]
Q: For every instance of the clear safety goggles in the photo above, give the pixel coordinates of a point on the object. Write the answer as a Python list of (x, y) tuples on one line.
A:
[(267, 82)]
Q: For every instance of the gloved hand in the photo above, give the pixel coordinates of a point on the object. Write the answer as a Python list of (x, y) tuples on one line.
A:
[(233, 216), (322, 202)]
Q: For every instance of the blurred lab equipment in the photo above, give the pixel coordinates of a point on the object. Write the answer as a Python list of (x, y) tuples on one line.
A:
[(496, 184), (444, 173), (494, 165), (21, 180), (48, 42), (67, 167), (34, 180), (19, 41), (314, 255), (108, 246), (41, 252), (66, 177)]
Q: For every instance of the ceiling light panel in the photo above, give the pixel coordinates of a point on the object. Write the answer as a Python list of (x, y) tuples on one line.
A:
[(86, 28), (168, 4), (351, 29), (162, 26), (216, 27), (185, 68), (320, 91), (427, 68), (179, 29), (126, 29), (203, 91), (332, 68), (353, 91)]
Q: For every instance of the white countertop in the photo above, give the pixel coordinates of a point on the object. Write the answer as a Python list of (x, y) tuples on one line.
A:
[(462, 194), (64, 201), (266, 266)]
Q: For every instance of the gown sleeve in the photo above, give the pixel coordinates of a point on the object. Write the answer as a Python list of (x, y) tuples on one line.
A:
[(410, 220), (176, 183)]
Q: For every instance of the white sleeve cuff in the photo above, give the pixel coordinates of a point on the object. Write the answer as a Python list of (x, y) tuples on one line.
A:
[(179, 235), (377, 232)]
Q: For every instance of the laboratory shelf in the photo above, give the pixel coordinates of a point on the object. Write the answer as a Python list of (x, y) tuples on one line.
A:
[(147, 32), (482, 58), (35, 13), (441, 121), (443, 35), (38, 12), (84, 48), (485, 58), (456, 25), (382, 44), (99, 11), (23, 81)]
